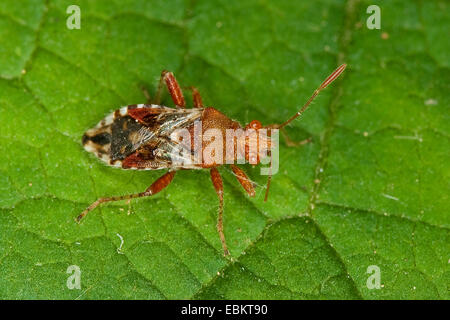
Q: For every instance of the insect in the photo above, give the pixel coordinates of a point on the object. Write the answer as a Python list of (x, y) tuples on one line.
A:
[(147, 137)]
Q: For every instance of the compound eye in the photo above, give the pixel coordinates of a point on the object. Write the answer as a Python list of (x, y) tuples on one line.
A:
[(255, 124)]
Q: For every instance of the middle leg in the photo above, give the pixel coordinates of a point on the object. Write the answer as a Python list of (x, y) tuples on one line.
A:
[(196, 97), (218, 185), (148, 98)]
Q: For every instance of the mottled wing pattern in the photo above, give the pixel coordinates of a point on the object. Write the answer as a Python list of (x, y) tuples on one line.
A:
[(142, 137)]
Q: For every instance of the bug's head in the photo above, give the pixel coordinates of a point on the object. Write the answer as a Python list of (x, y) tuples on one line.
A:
[(257, 142), (256, 125)]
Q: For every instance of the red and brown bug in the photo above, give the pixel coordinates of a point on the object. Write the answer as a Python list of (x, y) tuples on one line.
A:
[(142, 137)]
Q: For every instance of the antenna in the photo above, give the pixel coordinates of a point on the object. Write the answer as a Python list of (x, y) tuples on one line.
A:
[(336, 73)]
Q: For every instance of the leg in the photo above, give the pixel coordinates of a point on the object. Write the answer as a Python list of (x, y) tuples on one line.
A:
[(218, 185), (172, 86), (291, 143), (146, 94), (198, 103), (156, 187), (243, 180)]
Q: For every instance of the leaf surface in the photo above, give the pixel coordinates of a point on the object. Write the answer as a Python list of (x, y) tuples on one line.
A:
[(371, 189)]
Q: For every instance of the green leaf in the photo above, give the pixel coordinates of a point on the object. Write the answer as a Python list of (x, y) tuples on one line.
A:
[(371, 189)]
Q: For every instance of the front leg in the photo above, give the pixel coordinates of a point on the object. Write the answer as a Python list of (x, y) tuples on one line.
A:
[(291, 143), (243, 180)]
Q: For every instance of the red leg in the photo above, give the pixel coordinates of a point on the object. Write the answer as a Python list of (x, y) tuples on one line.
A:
[(218, 185), (156, 187), (243, 180), (291, 143), (198, 103), (172, 86)]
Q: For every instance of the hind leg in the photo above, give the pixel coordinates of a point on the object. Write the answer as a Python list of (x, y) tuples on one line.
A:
[(156, 187), (168, 79)]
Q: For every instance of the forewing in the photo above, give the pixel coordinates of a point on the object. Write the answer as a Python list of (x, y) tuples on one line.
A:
[(140, 136)]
